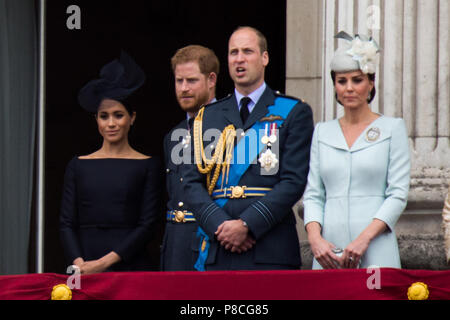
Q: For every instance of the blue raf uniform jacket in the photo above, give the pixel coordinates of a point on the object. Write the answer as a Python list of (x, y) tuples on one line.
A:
[(180, 244), (270, 219)]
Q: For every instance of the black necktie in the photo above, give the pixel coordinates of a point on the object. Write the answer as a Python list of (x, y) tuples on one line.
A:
[(191, 123), (244, 108)]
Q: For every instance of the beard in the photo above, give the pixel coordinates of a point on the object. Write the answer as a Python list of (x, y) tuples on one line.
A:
[(194, 103), (191, 107)]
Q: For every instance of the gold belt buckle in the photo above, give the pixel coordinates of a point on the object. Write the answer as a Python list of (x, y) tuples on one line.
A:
[(180, 216), (237, 192)]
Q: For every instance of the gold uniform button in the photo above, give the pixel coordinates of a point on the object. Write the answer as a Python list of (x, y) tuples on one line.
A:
[(180, 204)]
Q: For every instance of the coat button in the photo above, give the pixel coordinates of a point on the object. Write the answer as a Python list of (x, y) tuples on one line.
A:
[(180, 204)]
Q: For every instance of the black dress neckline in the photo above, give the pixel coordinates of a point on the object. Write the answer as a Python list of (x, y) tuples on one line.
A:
[(113, 158)]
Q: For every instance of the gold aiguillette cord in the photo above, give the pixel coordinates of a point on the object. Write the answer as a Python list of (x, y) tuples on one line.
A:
[(225, 145)]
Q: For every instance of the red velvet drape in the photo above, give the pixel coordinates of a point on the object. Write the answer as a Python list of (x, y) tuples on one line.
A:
[(358, 284)]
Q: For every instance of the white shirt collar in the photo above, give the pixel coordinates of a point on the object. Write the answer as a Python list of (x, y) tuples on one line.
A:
[(255, 96)]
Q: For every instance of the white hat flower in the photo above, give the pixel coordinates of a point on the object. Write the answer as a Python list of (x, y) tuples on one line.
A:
[(365, 52)]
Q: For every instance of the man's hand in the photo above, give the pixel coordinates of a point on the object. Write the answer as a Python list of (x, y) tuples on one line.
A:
[(248, 243), (233, 235)]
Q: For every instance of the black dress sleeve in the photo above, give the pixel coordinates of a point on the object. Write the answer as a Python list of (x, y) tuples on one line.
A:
[(68, 222), (137, 240)]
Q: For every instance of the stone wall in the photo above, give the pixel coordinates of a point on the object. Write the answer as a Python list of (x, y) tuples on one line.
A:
[(413, 82)]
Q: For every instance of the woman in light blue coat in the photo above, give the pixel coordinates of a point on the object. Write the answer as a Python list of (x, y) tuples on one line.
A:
[(359, 170)]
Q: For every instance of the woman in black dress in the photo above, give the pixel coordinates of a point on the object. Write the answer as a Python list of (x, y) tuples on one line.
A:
[(111, 197)]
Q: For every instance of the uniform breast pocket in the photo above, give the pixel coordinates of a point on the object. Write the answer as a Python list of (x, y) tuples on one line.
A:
[(171, 168), (282, 131), (265, 177), (171, 175)]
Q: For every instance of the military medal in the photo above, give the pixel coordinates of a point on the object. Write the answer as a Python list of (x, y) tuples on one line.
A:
[(268, 159), (186, 140), (372, 134), (265, 138), (273, 137)]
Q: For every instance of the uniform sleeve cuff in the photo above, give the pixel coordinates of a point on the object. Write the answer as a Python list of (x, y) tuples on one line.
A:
[(259, 219), (212, 217)]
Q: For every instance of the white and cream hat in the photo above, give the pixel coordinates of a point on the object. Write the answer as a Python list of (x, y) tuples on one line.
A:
[(359, 53)]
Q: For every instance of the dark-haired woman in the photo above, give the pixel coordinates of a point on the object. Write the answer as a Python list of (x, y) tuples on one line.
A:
[(111, 196), (359, 171)]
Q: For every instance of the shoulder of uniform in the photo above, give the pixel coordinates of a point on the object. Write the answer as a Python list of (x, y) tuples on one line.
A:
[(279, 94), (181, 124), (218, 101)]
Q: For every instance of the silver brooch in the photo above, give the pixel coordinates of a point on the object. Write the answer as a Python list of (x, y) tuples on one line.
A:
[(372, 134)]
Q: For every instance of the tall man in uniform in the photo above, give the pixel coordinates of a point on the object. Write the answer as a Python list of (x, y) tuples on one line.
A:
[(195, 70), (244, 208)]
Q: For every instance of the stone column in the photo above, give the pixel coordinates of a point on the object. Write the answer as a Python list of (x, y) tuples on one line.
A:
[(304, 52), (304, 58)]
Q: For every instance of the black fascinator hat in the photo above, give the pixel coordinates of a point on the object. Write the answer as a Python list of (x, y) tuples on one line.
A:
[(118, 79)]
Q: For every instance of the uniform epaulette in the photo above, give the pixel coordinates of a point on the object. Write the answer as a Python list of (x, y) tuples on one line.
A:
[(278, 93), (220, 100)]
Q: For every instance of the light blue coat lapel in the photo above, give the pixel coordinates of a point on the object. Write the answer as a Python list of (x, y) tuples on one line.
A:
[(334, 137)]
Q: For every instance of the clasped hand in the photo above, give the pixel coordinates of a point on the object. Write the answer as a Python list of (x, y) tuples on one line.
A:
[(89, 267), (233, 235), (323, 252), (98, 265)]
